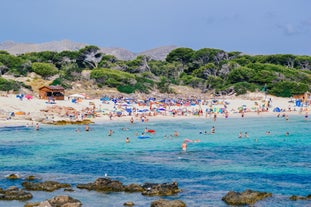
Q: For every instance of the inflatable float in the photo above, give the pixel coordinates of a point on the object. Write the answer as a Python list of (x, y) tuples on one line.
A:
[(143, 137)]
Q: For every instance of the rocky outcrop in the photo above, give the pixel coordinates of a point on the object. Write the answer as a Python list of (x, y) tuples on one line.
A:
[(247, 197), (57, 201), (295, 197), (165, 189), (148, 189), (103, 184), (45, 186), (133, 188), (14, 193), (167, 203), (67, 122)]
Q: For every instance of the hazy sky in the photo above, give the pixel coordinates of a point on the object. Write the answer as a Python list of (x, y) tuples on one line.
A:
[(250, 26)]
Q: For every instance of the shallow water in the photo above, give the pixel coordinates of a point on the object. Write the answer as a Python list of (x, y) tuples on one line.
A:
[(210, 168)]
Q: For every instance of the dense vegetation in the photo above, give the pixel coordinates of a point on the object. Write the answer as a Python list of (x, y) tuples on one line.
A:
[(211, 70)]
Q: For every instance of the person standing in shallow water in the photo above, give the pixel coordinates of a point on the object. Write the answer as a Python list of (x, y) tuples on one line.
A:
[(87, 128), (37, 127), (184, 146)]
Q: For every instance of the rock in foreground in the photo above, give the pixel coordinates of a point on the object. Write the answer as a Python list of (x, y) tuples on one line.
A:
[(247, 197), (45, 186), (148, 189), (14, 193), (57, 201), (167, 203)]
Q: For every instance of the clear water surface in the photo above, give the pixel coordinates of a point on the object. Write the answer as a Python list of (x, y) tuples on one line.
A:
[(210, 168)]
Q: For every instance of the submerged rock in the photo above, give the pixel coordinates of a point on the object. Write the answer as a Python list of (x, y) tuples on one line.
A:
[(14, 193), (167, 203), (45, 186), (31, 178), (57, 201), (247, 197)]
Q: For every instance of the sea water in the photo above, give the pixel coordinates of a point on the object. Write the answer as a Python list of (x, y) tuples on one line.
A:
[(218, 163)]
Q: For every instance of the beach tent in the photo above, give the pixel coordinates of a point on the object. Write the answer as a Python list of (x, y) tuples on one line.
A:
[(277, 109)]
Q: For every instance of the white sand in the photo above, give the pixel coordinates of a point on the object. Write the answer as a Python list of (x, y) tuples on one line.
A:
[(32, 108)]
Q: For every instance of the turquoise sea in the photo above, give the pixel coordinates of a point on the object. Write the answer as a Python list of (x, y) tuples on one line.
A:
[(210, 168)]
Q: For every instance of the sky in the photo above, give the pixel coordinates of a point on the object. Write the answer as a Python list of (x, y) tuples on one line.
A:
[(249, 26)]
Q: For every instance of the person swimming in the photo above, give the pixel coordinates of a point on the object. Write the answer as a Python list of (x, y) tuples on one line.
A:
[(110, 132), (213, 130)]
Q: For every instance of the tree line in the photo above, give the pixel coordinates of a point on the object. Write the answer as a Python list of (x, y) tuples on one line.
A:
[(211, 70)]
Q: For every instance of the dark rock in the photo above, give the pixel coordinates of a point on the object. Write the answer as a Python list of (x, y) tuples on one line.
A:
[(165, 189), (129, 203), (247, 197), (45, 186), (133, 188), (57, 201), (14, 193), (103, 184), (13, 176), (69, 190), (31, 178), (167, 203), (149, 189), (295, 198)]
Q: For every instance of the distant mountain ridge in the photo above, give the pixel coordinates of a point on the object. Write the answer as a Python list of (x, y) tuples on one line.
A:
[(62, 45)]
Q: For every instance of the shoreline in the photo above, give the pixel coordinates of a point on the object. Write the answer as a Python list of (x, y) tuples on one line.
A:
[(126, 119), (40, 111)]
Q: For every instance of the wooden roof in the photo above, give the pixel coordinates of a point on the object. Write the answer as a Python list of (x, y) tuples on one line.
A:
[(52, 87)]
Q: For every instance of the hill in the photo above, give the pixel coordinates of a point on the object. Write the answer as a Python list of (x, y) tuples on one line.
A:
[(68, 45)]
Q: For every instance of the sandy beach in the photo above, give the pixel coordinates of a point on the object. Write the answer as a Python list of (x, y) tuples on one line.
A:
[(14, 111)]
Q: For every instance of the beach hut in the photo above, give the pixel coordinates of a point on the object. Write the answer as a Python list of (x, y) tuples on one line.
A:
[(52, 92)]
